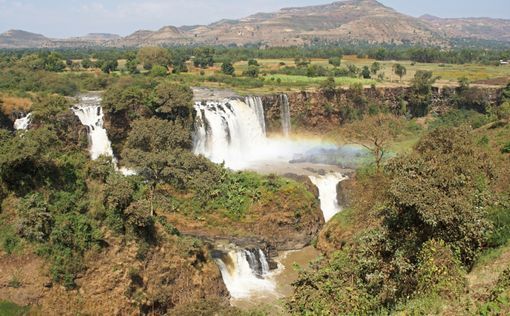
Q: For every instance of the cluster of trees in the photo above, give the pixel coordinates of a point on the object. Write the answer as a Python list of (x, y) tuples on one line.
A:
[(429, 222)]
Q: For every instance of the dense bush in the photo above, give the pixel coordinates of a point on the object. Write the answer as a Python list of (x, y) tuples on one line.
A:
[(432, 224)]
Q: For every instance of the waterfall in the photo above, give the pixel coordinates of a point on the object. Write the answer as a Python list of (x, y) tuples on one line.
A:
[(327, 193), (23, 123), (228, 131), (285, 115), (245, 272), (90, 113), (255, 103)]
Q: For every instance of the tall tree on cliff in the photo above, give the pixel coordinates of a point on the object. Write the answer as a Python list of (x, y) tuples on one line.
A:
[(154, 147)]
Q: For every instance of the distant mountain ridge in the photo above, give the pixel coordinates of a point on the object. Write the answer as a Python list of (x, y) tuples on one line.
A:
[(343, 21)]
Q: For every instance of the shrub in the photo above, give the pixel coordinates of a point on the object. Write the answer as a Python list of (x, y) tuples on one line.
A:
[(35, 221), (506, 149), (439, 271), (500, 218), (252, 72), (158, 71)]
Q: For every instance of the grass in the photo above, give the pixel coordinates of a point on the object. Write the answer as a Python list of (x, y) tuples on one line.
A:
[(10, 309)]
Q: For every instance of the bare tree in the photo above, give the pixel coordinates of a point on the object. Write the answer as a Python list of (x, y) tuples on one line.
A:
[(375, 133)]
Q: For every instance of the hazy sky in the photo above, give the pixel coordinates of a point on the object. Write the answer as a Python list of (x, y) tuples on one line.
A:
[(77, 17)]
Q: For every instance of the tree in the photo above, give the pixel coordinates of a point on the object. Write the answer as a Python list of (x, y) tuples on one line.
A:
[(328, 86), (375, 133), (109, 65), (252, 71), (421, 95), (120, 98), (158, 71), (86, 63), (227, 68), (335, 61), (53, 62), (440, 191), (352, 69), (203, 57), (375, 67), (173, 101), (253, 62), (150, 56), (365, 72), (301, 62), (132, 66), (160, 151), (399, 70)]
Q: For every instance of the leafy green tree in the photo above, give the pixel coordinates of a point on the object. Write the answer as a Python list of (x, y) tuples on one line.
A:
[(159, 150), (132, 66), (151, 56), (353, 70), (375, 67), (227, 68), (252, 72), (53, 62), (107, 66), (316, 71), (173, 101), (204, 57), (35, 221), (24, 161), (328, 86), (86, 63), (441, 192), (335, 61), (159, 71), (365, 72), (399, 70), (119, 98), (421, 96), (253, 62)]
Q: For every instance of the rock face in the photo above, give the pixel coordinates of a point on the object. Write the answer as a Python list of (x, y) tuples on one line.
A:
[(349, 21), (118, 282), (284, 221), (321, 112)]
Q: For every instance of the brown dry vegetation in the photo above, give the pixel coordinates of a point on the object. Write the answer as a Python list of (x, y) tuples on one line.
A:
[(12, 104)]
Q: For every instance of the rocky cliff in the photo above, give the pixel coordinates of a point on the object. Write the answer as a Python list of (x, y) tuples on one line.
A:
[(321, 111)]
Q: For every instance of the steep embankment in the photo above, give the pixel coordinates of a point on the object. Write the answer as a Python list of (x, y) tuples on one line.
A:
[(323, 111), (120, 279)]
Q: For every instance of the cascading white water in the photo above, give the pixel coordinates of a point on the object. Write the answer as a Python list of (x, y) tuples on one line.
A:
[(231, 131), (255, 103), (245, 273), (90, 113), (285, 115), (23, 123), (227, 131), (327, 193)]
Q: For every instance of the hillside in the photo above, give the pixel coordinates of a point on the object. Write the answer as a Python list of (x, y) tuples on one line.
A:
[(475, 28), (349, 21), (22, 39)]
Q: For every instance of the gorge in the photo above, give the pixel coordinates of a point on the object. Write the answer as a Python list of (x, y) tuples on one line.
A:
[(233, 131)]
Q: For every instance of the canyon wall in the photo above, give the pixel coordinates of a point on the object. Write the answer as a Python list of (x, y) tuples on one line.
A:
[(322, 111)]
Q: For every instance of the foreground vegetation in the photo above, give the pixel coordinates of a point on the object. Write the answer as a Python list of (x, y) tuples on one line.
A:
[(422, 221)]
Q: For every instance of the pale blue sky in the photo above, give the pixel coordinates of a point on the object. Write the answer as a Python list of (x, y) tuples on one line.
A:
[(77, 17)]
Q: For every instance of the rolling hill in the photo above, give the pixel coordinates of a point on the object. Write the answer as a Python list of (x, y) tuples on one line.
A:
[(350, 21)]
